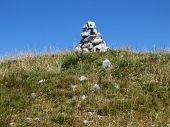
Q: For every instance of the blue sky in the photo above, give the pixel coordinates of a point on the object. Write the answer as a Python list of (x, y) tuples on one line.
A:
[(37, 24)]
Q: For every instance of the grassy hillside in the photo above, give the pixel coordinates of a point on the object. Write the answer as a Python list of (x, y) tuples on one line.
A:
[(45, 90)]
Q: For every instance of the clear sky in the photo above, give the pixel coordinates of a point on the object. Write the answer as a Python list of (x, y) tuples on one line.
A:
[(38, 24)]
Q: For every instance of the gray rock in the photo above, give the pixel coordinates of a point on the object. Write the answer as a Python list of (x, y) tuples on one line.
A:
[(86, 33), (91, 24), (97, 41), (106, 64), (101, 48), (78, 48), (82, 78), (96, 86)]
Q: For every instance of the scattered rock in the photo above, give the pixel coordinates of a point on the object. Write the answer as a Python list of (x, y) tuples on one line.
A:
[(37, 119), (73, 86), (117, 86), (12, 123), (28, 118), (33, 95), (106, 64), (168, 125), (87, 121), (82, 78), (41, 81), (83, 97), (63, 113), (90, 113), (91, 39), (96, 86)]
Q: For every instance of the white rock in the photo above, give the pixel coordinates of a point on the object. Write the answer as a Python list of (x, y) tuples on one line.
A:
[(96, 86), (73, 86), (85, 26), (63, 113), (85, 50), (106, 64), (33, 95), (97, 41), (86, 121), (91, 113), (28, 118), (12, 123), (82, 78), (86, 33), (37, 119), (168, 125), (101, 48), (87, 45), (117, 86), (91, 24), (41, 81), (95, 31), (78, 49), (83, 97)]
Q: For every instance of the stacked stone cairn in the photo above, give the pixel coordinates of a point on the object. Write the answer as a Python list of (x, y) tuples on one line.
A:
[(91, 39)]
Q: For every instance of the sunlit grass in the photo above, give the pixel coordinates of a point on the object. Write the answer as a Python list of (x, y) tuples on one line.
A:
[(39, 89)]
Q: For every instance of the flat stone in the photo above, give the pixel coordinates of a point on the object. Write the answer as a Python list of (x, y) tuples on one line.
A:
[(97, 41)]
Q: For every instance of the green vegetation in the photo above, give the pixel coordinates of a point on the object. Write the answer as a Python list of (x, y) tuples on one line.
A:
[(141, 98)]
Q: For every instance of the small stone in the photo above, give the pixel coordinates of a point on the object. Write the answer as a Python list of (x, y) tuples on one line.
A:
[(91, 113), (28, 118), (63, 113), (85, 50), (78, 48), (101, 47), (117, 86), (96, 86), (37, 119), (41, 81), (33, 95), (83, 97), (106, 64), (82, 78), (12, 123), (73, 86), (86, 121), (97, 41), (91, 24)]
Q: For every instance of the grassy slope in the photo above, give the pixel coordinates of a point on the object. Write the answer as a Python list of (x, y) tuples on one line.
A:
[(142, 98)]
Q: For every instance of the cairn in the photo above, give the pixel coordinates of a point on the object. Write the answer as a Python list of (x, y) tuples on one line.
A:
[(91, 39)]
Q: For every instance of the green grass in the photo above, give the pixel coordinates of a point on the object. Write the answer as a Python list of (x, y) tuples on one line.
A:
[(142, 99)]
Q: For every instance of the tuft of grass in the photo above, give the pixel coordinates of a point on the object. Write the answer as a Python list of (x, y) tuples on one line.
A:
[(135, 91)]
